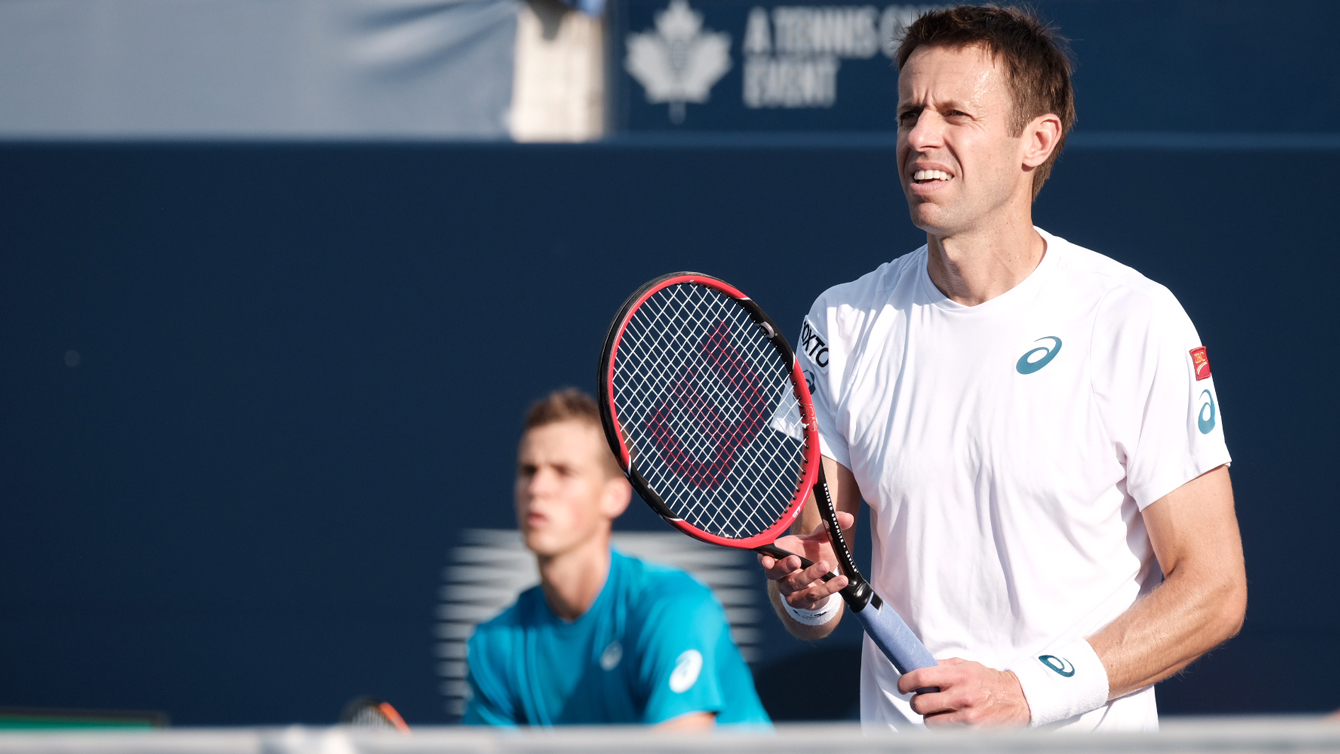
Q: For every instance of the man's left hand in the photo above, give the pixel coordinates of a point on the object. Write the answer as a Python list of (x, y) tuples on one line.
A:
[(970, 694)]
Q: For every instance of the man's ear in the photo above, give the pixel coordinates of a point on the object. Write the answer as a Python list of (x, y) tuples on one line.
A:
[(616, 496), (1041, 136)]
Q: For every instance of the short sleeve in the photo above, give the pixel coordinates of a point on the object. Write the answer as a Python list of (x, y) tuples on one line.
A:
[(677, 648), (1156, 396), (816, 362), (489, 704)]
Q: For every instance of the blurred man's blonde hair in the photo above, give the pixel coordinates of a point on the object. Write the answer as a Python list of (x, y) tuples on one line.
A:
[(571, 404)]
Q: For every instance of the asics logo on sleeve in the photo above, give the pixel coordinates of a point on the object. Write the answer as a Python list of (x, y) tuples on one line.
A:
[(1205, 419), (1039, 357), (813, 346), (686, 671), (1059, 665)]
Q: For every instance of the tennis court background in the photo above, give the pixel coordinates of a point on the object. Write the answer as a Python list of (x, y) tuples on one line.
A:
[(302, 368), (252, 391)]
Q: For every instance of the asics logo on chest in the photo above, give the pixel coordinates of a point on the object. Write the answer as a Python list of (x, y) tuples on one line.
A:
[(1039, 357), (609, 659)]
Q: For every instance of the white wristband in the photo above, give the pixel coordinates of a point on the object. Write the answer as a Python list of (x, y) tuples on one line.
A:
[(819, 615), (1062, 682)]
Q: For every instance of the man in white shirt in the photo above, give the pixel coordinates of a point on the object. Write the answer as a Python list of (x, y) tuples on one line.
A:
[(1033, 425)]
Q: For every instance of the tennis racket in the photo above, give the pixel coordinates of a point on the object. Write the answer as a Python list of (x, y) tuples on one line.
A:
[(709, 416), (367, 712)]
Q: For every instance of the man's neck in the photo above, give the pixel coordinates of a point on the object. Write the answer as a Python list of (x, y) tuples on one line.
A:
[(973, 268), (572, 581)]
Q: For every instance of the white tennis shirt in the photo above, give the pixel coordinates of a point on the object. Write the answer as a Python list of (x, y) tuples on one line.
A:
[(1006, 451)]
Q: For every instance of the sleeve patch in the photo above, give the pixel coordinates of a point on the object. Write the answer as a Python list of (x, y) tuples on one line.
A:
[(1201, 362), (814, 347)]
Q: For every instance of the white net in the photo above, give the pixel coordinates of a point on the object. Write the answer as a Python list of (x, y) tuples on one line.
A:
[(708, 411)]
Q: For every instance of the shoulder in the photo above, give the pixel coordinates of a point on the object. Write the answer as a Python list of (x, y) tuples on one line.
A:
[(494, 635), (873, 288), (656, 581), (657, 590), (1133, 316), (1121, 288), (842, 316)]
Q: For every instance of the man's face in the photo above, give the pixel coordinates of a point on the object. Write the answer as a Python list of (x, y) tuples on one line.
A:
[(957, 161), (565, 494)]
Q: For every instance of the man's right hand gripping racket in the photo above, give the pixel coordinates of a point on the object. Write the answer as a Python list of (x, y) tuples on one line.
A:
[(710, 418)]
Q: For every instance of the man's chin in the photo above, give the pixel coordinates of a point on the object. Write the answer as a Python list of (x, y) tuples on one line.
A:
[(924, 215), (534, 542), (544, 546), (932, 220)]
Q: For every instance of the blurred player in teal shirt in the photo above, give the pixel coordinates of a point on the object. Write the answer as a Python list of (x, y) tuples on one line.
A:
[(604, 637)]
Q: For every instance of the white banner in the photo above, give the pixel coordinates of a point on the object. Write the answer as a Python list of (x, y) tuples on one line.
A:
[(256, 68)]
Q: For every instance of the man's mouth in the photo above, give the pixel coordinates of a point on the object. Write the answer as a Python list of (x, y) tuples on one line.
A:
[(929, 176)]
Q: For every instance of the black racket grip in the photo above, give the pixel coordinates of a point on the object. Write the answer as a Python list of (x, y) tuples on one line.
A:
[(780, 554), (856, 593)]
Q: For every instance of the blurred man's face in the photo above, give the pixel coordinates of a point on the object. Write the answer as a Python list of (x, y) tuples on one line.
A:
[(565, 493), (957, 161)]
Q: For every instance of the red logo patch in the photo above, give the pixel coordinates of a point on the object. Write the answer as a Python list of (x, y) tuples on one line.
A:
[(1201, 362)]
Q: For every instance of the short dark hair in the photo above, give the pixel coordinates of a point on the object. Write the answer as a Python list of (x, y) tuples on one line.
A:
[(570, 404), (1036, 56)]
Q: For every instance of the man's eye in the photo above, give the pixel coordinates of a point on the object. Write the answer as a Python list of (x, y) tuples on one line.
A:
[(907, 118)]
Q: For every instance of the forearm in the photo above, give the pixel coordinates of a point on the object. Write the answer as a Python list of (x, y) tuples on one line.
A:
[(795, 627), (693, 721), (1185, 617), (1202, 601), (1190, 613)]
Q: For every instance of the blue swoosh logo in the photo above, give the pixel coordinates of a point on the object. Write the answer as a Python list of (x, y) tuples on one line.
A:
[(1204, 421), (1027, 366)]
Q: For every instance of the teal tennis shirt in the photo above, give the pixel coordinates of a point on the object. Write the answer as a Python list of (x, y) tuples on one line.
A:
[(654, 645)]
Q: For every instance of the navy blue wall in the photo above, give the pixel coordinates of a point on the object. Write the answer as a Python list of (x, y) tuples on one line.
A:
[(301, 369)]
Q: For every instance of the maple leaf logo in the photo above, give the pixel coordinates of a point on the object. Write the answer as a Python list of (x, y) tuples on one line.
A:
[(679, 62)]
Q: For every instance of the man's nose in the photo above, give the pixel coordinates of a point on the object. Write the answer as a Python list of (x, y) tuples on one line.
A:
[(927, 133), (540, 482)]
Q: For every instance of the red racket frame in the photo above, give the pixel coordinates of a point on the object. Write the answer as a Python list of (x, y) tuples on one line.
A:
[(610, 420)]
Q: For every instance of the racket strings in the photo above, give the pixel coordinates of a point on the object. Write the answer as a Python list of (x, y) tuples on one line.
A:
[(727, 437), (708, 411)]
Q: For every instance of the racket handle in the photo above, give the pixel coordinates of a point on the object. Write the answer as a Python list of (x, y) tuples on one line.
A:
[(880, 621), (897, 641), (857, 593), (781, 554)]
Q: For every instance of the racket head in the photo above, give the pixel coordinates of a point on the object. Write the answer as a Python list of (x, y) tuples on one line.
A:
[(707, 412), (372, 713)]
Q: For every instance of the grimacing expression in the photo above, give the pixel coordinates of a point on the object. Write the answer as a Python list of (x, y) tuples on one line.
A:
[(957, 161), (565, 493)]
